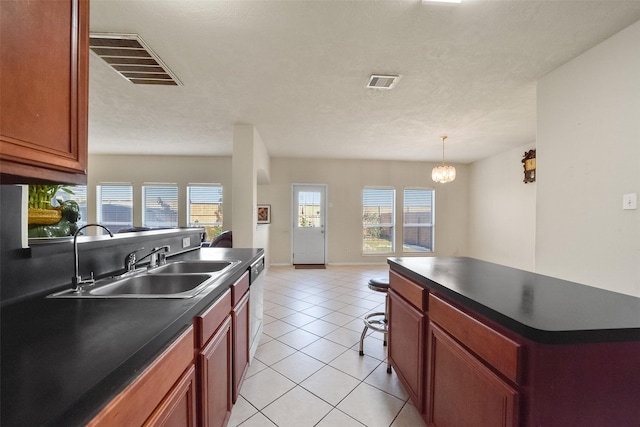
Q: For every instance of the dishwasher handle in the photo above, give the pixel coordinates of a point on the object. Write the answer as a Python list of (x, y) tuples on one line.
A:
[(256, 269)]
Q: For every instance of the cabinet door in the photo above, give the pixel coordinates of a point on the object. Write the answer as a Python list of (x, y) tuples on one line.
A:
[(215, 378), (240, 317), (178, 409), (407, 346), (462, 391), (44, 58)]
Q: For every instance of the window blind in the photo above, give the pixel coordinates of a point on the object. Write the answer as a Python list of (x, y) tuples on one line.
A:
[(159, 206)]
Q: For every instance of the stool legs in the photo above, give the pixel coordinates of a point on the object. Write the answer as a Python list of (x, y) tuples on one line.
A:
[(364, 333), (386, 318), (376, 321)]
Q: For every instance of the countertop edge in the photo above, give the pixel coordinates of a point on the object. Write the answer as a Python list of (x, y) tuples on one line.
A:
[(587, 336)]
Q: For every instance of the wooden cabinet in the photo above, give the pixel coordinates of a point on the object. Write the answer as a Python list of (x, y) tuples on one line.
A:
[(44, 70), (486, 368), (462, 390), (161, 395), (407, 336), (215, 372), (467, 361), (407, 346), (178, 409), (176, 392), (457, 370), (240, 328), (240, 317), (214, 363)]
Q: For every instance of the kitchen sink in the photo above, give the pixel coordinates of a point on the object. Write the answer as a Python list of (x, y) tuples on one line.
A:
[(143, 286), (190, 267), (177, 279), (153, 285)]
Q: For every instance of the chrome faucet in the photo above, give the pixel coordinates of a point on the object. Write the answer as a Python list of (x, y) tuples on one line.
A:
[(77, 280), (157, 256), (130, 261)]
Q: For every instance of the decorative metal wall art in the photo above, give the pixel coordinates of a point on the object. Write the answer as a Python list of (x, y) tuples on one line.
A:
[(529, 165)]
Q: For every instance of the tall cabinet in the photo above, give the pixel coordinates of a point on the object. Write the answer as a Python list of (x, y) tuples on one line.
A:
[(44, 75)]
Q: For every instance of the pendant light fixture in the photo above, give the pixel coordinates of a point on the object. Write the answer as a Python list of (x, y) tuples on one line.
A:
[(442, 173)]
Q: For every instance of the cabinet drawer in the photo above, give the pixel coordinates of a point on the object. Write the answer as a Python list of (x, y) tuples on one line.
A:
[(207, 322), (497, 350), (411, 291), (239, 288)]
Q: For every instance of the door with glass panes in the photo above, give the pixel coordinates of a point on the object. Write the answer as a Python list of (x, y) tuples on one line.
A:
[(309, 226)]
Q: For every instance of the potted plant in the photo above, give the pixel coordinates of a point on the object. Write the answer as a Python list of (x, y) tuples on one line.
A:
[(47, 220)]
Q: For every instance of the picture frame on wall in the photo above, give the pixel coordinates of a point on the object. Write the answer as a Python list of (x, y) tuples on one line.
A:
[(264, 214)]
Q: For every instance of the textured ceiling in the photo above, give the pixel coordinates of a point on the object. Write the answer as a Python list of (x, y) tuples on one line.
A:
[(297, 70)]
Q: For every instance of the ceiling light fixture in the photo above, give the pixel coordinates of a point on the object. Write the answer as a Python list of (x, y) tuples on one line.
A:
[(443, 173)]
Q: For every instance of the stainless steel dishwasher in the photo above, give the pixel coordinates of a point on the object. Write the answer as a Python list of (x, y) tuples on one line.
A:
[(256, 305)]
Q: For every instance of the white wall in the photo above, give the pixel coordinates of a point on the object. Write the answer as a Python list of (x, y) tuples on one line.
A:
[(345, 180), (137, 170), (588, 156), (502, 211), (251, 165), (244, 185)]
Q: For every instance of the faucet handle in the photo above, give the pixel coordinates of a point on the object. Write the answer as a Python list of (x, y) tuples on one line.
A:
[(78, 282), (130, 260), (161, 254)]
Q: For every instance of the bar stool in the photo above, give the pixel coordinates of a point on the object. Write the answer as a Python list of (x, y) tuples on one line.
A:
[(377, 321)]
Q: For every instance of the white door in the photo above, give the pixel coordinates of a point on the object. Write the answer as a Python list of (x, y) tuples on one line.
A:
[(309, 224)]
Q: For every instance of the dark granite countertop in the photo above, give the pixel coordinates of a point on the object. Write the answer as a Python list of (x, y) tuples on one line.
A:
[(63, 359), (537, 307)]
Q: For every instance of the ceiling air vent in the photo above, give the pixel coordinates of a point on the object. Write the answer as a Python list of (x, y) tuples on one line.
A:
[(132, 58), (378, 81)]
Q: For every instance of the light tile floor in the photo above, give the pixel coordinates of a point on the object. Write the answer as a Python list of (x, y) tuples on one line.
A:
[(307, 370)]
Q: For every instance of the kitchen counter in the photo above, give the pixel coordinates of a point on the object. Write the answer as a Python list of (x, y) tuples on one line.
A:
[(63, 359), (537, 307), (476, 343)]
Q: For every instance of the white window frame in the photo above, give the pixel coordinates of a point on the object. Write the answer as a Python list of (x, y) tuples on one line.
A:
[(391, 225), (190, 186), (406, 224)]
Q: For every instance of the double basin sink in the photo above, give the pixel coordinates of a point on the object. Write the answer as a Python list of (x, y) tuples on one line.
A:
[(177, 279)]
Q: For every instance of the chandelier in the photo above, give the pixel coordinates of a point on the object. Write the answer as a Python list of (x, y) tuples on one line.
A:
[(443, 173)]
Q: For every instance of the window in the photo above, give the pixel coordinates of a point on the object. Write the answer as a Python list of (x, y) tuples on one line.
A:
[(309, 206), (79, 196), (378, 220), (160, 206), (115, 206), (417, 234), (204, 208)]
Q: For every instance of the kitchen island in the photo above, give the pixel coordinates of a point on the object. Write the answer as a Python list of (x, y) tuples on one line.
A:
[(480, 344), (63, 360)]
